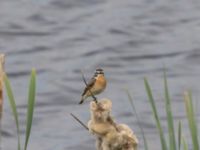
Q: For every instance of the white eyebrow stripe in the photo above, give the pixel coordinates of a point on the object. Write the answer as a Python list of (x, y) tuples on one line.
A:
[(99, 73)]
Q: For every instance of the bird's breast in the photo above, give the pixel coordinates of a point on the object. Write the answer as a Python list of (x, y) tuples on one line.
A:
[(101, 82)]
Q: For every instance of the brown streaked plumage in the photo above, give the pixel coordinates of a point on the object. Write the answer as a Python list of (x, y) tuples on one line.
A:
[(96, 85)]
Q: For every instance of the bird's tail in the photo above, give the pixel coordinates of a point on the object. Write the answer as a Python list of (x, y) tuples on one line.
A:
[(82, 99)]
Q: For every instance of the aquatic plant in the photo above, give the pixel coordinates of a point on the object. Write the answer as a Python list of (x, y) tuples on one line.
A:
[(138, 119), (109, 135), (30, 107), (191, 120), (173, 143)]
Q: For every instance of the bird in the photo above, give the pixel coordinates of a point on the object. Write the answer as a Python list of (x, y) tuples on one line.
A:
[(96, 85)]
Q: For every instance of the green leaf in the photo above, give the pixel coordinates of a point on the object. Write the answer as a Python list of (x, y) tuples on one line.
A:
[(152, 102), (191, 120), (13, 107), (172, 140), (185, 146), (31, 104), (179, 135), (138, 119)]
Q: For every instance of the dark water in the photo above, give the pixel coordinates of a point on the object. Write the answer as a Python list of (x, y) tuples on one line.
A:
[(129, 39)]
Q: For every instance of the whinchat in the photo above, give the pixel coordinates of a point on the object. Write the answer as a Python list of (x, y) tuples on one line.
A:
[(95, 86)]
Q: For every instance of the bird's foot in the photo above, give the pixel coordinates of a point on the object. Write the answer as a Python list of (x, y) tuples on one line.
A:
[(95, 99)]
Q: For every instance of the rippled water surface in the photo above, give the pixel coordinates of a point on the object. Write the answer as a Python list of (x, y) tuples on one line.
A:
[(129, 39)]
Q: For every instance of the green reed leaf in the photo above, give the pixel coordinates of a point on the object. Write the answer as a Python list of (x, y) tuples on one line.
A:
[(13, 107), (152, 102), (179, 135), (31, 105), (138, 119), (170, 122), (185, 146), (191, 120)]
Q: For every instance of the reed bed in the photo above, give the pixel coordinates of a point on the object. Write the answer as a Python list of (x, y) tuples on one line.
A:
[(173, 143)]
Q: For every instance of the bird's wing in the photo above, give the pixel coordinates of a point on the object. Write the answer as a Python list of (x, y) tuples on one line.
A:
[(89, 85)]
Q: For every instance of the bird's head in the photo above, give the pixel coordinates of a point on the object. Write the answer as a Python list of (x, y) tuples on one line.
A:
[(99, 71)]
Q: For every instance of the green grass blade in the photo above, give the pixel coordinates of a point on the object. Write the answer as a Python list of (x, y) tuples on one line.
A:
[(191, 120), (170, 122), (179, 135), (31, 104), (185, 146), (138, 119), (151, 99), (13, 106)]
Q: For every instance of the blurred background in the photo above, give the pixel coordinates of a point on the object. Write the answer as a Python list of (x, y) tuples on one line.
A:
[(129, 39)]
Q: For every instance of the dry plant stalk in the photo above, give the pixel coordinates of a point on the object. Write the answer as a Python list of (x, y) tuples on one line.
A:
[(84, 80), (109, 134), (2, 60), (79, 121)]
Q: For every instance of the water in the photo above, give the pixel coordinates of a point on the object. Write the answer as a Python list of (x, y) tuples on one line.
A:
[(129, 39)]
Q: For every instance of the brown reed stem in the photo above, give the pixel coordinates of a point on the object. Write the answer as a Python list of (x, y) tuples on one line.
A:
[(79, 121), (2, 60), (94, 98)]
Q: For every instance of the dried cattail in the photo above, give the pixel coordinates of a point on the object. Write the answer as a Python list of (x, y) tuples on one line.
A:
[(109, 135)]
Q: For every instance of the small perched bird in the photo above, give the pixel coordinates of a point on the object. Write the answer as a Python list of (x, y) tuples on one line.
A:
[(96, 85)]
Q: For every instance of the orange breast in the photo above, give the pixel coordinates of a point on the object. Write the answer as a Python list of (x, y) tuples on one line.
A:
[(99, 86), (101, 81)]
